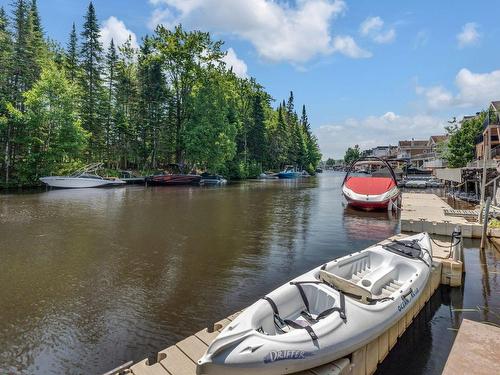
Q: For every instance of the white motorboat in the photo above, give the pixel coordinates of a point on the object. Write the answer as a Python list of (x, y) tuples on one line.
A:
[(416, 184), (82, 178), (325, 314)]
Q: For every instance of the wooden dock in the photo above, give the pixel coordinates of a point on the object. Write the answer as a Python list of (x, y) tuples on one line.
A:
[(421, 212), (181, 358)]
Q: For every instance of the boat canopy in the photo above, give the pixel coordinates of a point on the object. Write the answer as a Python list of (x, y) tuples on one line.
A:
[(371, 160), (370, 186)]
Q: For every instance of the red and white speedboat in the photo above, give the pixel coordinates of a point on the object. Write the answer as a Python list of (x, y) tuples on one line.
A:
[(375, 191)]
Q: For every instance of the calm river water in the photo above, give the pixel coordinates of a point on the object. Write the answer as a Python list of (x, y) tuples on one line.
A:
[(90, 279)]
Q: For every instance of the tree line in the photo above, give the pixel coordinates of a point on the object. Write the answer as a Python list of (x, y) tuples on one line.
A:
[(171, 100)]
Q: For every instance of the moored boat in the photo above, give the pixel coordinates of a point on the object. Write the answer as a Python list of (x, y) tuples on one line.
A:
[(268, 176), (371, 192), (86, 177), (324, 314), (212, 179), (289, 172), (173, 176)]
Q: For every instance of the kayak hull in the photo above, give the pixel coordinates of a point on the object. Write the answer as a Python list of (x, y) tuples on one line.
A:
[(387, 283)]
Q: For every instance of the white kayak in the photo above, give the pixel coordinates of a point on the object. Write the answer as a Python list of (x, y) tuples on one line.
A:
[(325, 314)]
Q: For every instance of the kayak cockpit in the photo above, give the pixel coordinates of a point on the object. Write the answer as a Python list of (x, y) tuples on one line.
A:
[(298, 305), (369, 276)]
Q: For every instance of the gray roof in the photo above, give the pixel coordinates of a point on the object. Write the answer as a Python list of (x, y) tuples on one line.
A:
[(496, 105)]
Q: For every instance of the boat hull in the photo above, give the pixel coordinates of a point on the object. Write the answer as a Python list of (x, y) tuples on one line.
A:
[(371, 202), (289, 175), (78, 183), (248, 345), (173, 179)]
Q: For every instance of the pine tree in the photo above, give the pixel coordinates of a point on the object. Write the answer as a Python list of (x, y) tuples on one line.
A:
[(5, 59), (5, 93), (283, 137), (111, 62), (257, 133), (35, 19), (71, 60), (20, 69), (126, 98), (36, 45), (304, 121), (153, 102), (91, 82)]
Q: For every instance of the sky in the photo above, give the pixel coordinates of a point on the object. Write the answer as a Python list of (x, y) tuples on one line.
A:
[(369, 72)]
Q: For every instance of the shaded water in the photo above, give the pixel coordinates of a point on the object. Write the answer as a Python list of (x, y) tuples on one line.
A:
[(93, 278)]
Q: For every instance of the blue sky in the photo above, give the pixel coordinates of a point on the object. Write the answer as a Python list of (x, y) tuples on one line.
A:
[(369, 72)]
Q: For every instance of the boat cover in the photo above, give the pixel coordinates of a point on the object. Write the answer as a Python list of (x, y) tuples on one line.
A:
[(370, 185)]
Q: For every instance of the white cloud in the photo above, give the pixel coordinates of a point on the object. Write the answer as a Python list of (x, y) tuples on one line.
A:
[(472, 90), (477, 88), (469, 36), (437, 97), (115, 29), (347, 46), (233, 61), (370, 25), (280, 31), (373, 28), (372, 131)]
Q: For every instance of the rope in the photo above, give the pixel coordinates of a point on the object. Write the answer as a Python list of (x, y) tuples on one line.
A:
[(450, 246)]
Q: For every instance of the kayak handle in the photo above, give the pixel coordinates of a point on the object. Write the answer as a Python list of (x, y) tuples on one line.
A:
[(410, 291)]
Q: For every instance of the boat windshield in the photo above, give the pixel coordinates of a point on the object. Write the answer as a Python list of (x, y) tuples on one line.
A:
[(89, 171)]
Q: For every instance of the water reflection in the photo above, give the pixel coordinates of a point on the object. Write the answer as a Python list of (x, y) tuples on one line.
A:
[(94, 278)]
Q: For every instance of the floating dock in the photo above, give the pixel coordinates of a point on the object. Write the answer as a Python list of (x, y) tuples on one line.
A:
[(181, 358), (421, 212), (476, 350)]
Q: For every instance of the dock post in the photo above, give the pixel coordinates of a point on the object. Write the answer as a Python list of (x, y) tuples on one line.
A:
[(485, 216), (457, 244)]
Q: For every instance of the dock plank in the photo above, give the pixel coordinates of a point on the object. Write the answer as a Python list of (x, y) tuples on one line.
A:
[(207, 337), (193, 347), (143, 368), (476, 350), (176, 362)]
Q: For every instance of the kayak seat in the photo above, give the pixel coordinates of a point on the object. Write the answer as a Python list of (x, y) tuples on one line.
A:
[(289, 310), (357, 267), (390, 279), (346, 286)]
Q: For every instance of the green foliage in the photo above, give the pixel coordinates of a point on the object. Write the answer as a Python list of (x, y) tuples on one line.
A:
[(91, 83), (210, 134), (172, 100), (352, 154), (71, 58), (54, 136), (460, 148)]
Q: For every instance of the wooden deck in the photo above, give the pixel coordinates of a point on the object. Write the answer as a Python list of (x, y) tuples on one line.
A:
[(181, 358), (421, 212)]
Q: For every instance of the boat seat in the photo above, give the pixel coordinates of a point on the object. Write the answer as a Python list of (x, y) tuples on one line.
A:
[(346, 286)]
